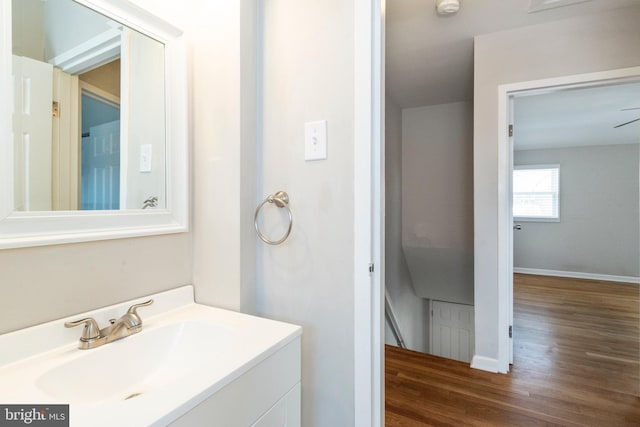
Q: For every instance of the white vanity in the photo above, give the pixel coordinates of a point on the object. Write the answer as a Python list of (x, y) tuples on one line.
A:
[(190, 365)]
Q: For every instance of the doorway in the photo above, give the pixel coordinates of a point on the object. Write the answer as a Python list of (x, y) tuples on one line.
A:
[(577, 86), (100, 163)]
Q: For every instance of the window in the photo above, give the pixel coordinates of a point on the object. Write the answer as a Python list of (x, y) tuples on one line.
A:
[(536, 192)]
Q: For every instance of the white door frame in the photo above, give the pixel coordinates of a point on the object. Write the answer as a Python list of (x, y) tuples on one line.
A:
[(505, 219), (368, 212), (510, 265)]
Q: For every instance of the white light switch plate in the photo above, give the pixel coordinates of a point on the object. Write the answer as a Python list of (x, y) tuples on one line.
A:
[(315, 140), (145, 157)]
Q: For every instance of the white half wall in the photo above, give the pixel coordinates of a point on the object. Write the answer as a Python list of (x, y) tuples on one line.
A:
[(412, 312), (599, 228), (585, 44)]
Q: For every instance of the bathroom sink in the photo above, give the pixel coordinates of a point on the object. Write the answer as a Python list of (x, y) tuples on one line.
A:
[(130, 367), (185, 353)]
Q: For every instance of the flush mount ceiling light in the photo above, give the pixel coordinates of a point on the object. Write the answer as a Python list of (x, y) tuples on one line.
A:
[(447, 7)]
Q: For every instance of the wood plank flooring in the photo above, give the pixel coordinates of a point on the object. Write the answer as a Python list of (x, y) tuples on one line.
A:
[(576, 353)]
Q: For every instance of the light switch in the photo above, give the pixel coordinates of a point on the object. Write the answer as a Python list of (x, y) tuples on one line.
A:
[(315, 140), (145, 157)]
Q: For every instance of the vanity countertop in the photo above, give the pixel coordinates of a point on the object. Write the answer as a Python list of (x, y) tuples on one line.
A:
[(184, 354)]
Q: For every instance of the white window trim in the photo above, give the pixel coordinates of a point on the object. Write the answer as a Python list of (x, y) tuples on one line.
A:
[(539, 219)]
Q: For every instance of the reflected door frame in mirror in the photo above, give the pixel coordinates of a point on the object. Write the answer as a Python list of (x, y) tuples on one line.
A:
[(23, 229)]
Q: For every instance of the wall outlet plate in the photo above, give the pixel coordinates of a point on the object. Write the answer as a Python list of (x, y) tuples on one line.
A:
[(145, 157)]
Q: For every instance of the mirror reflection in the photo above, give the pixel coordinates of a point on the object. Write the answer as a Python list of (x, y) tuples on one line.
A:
[(89, 111)]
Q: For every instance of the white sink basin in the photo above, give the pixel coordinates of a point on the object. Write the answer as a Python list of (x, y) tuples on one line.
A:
[(130, 367), (184, 354)]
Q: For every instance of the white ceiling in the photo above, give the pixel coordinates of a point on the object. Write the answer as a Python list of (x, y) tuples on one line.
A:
[(429, 59), (577, 117)]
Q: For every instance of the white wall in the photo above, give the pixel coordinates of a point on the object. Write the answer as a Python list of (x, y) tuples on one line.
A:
[(599, 224), (308, 75), (578, 45), (222, 85), (412, 312), (144, 77), (437, 200)]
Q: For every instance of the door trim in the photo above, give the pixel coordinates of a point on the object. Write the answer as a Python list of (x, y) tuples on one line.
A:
[(368, 208), (505, 222)]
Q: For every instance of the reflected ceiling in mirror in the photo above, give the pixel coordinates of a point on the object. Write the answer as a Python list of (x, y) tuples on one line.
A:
[(89, 111)]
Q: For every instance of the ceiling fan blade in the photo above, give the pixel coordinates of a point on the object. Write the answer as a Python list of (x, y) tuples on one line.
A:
[(629, 109), (624, 124)]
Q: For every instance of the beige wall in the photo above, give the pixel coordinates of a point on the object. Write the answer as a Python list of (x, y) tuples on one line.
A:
[(308, 75), (573, 46), (50, 282), (106, 77), (27, 25)]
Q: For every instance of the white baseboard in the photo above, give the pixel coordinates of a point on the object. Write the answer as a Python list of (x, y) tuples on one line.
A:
[(485, 363), (577, 275)]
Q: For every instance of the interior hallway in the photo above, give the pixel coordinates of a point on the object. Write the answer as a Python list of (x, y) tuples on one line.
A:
[(576, 352)]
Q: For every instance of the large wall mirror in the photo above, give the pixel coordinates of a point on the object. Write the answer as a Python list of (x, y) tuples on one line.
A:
[(94, 143)]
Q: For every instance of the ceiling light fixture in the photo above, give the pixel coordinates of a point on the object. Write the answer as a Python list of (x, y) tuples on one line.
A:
[(447, 7)]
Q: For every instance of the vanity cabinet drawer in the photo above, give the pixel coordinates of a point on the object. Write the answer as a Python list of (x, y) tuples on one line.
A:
[(285, 413), (267, 395)]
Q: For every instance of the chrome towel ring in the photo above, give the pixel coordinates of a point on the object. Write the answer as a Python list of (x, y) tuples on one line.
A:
[(281, 200)]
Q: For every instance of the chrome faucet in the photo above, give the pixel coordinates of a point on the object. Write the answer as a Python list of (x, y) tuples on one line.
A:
[(151, 202), (92, 336)]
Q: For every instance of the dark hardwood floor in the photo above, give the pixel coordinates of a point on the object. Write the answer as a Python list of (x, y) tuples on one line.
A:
[(576, 363)]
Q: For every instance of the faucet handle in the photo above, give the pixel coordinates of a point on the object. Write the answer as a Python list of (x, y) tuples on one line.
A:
[(134, 307), (91, 329)]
